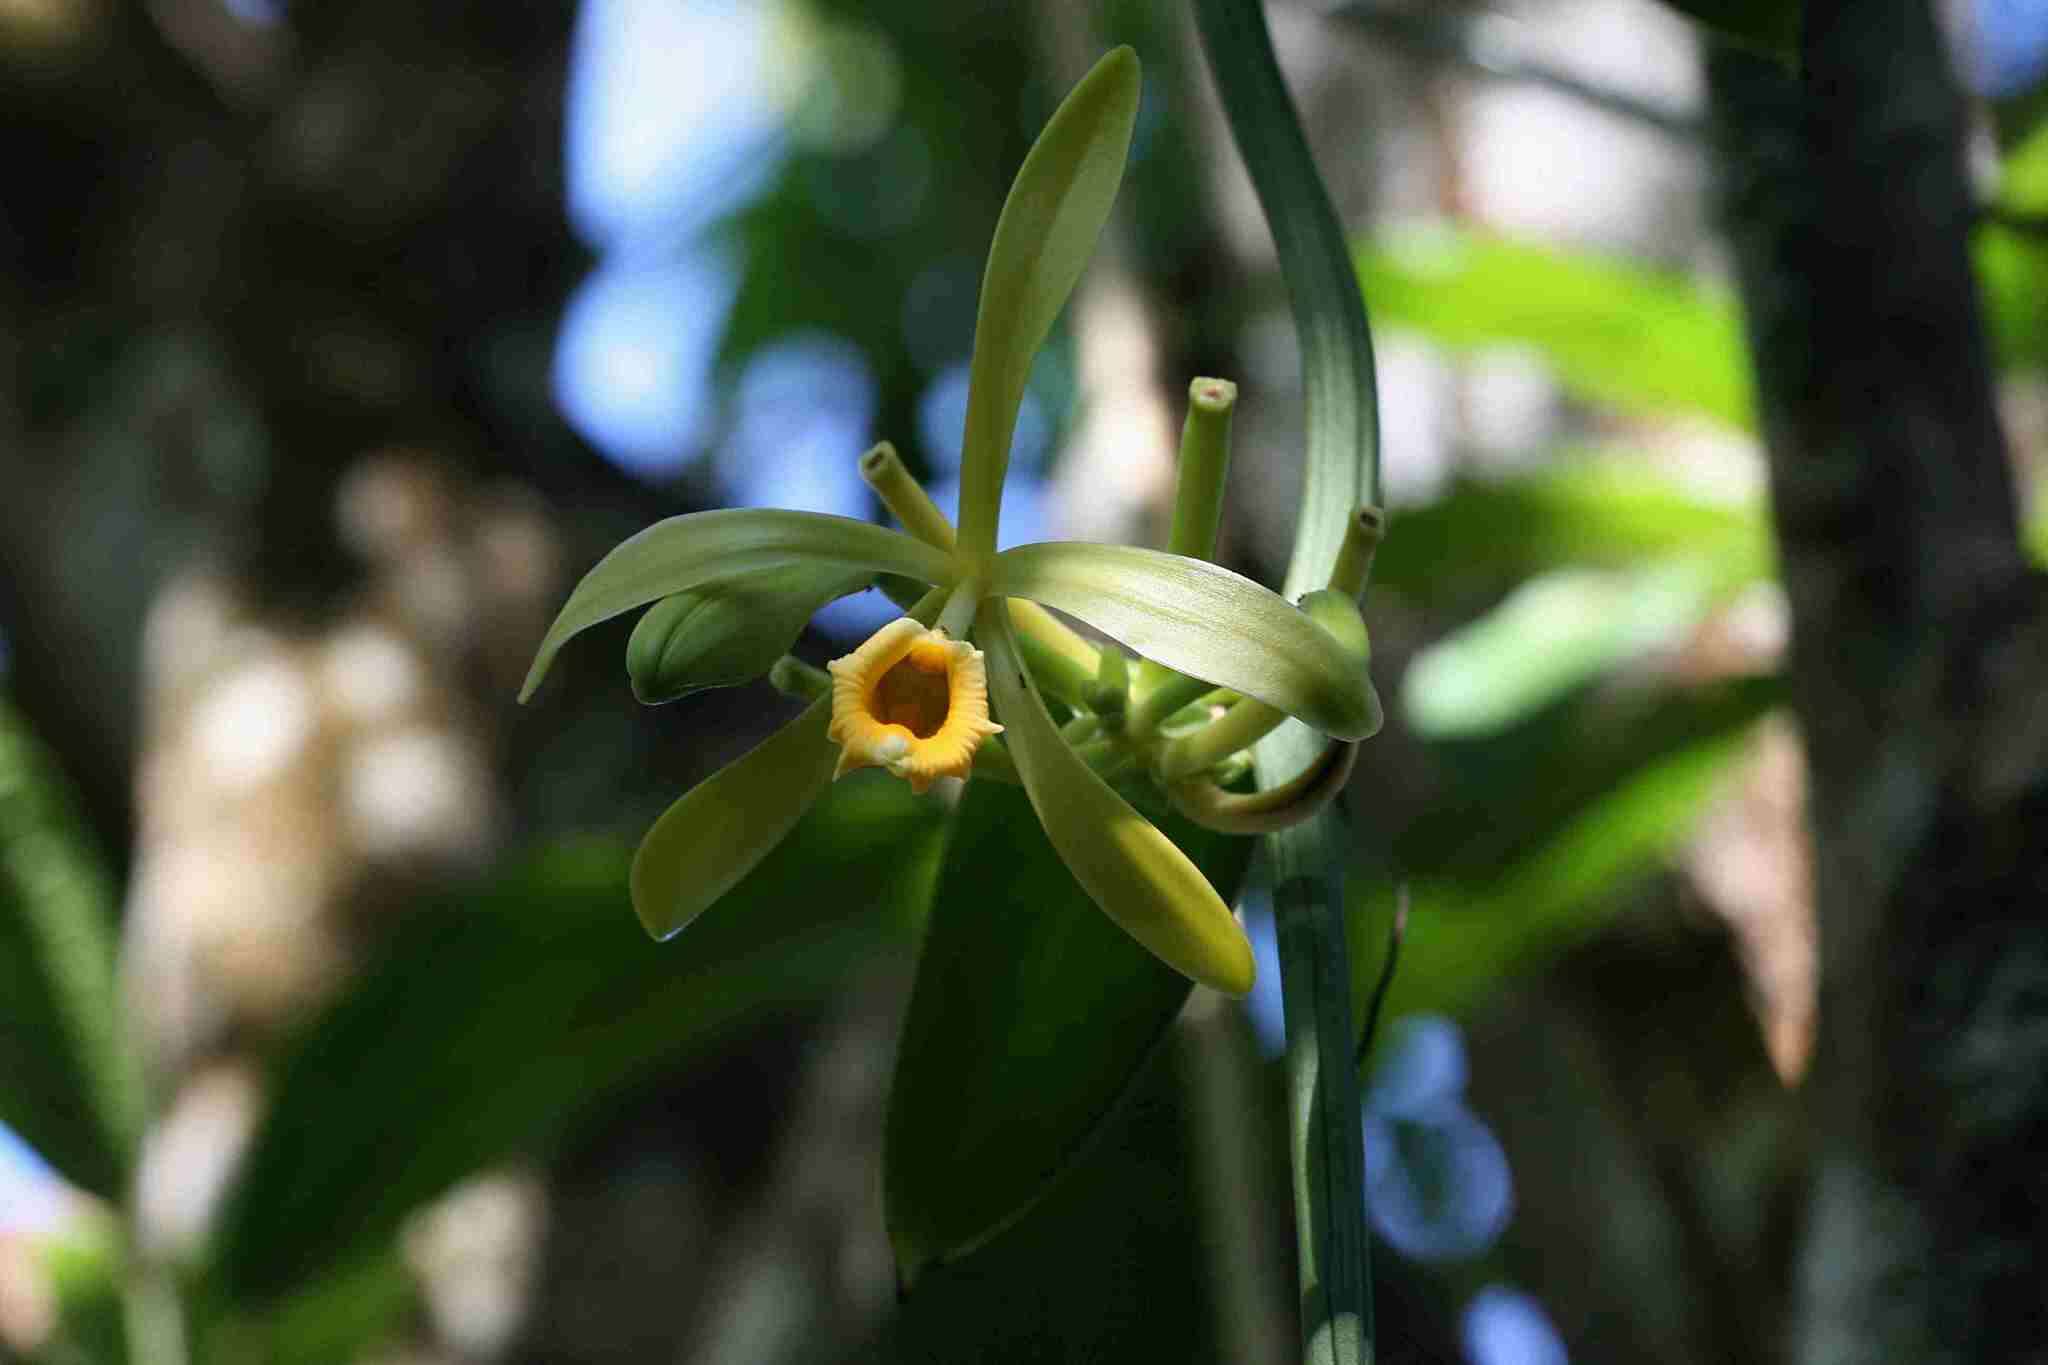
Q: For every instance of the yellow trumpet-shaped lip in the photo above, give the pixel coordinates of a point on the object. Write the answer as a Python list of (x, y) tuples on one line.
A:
[(913, 701)]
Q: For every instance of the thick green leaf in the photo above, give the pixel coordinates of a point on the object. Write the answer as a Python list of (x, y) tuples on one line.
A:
[(1047, 232), (1555, 633), (1054, 1287), (708, 547), (1483, 537), (1613, 331), (1199, 619), (1139, 877), (491, 1024), (1031, 1017), (720, 830), (69, 1082)]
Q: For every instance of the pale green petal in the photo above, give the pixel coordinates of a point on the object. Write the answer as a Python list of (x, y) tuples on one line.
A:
[(683, 552), (1135, 873), (1203, 620), (1047, 231), (725, 825)]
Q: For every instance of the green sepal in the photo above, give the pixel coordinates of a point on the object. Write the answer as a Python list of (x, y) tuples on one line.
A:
[(1047, 232), (719, 830), (1202, 620)]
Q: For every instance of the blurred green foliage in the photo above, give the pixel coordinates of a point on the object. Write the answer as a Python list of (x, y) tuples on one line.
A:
[(1616, 332), (72, 1086), (494, 1021)]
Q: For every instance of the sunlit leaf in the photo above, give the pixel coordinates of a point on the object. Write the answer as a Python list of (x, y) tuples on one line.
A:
[(1554, 633), (1199, 619), (706, 547), (2023, 174), (69, 1082), (1031, 1017), (492, 1023), (88, 1286), (2012, 266), (2012, 271), (1614, 331), (1043, 240)]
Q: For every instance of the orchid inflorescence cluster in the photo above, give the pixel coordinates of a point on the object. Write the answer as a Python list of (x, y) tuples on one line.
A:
[(1223, 660)]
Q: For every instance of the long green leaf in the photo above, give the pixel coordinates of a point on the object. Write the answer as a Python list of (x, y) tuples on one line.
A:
[(1613, 331), (69, 1082), (1047, 232), (1199, 619), (491, 1024), (1031, 1017), (706, 547)]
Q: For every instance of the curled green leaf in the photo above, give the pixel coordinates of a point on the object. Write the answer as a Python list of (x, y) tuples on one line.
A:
[(1203, 620), (1275, 808)]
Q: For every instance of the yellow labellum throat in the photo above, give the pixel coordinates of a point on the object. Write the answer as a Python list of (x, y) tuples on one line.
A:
[(913, 701)]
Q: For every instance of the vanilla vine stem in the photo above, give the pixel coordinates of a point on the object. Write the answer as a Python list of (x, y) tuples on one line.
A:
[(1307, 862)]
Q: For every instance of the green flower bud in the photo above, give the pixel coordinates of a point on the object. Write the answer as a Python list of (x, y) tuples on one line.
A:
[(726, 633)]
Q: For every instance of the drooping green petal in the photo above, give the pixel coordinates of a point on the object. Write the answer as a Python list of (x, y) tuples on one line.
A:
[(1135, 873), (684, 552), (1199, 619), (725, 825), (1047, 231)]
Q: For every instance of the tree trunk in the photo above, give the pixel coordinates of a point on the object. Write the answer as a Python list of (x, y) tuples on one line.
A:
[(1919, 671)]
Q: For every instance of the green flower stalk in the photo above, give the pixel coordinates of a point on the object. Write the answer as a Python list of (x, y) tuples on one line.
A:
[(914, 699)]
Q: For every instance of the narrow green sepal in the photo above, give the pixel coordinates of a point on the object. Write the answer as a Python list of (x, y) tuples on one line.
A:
[(1055, 211), (1202, 620), (1135, 873), (721, 829)]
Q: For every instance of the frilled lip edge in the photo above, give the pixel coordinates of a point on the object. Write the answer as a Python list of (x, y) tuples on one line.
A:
[(867, 741)]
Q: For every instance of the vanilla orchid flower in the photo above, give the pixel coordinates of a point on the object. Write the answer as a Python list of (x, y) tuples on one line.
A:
[(735, 586)]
